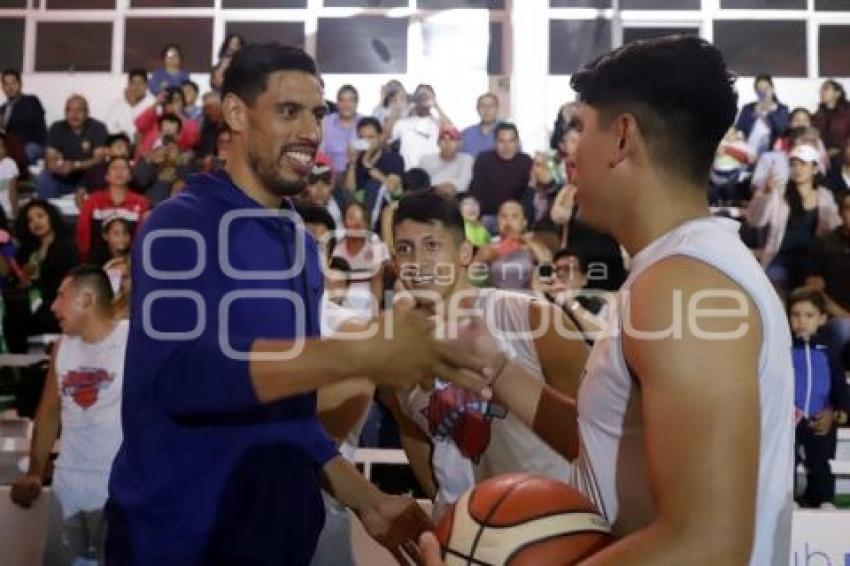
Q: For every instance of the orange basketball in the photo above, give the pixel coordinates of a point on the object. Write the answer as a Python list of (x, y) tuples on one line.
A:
[(521, 520)]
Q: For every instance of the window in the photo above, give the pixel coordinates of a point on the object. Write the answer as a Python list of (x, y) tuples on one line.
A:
[(91, 41), (11, 43), (637, 34), (448, 4), (574, 43), (660, 4), (580, 3), (144, 39), (834, 48), (365, 3), (764, 4), (832, 5), (264, 3), (494, 55), (364, 44), (80, 4), (171, 3), (288, 33), (779, 48)]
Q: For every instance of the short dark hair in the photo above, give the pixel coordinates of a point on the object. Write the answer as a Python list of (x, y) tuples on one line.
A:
[(347, 88), (95, 278), (191, 83), (137, 72), (415, 179), (806, 295), (248, 72), (169, 117), (429, 207), (575, 252), (487, 95), (370, 121), (120, 136), (171, 92), (12, 73), (314, 214), (679, 90), (505, 127)]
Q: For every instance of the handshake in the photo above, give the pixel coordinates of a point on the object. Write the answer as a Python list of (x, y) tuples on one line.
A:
[(413, 348)]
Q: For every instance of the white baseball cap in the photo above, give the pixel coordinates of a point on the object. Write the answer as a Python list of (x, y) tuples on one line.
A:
[(805, 153)]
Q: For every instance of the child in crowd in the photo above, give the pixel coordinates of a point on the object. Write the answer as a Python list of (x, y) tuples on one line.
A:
[(476, 233), (191, 108), (820, 396), (8, 180)]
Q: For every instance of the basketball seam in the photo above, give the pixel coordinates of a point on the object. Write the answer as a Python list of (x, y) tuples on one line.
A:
[(469, 559), (482, 525), (545, 539), (546, 516)]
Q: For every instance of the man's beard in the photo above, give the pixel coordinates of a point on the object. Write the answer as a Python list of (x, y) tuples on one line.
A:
[(270, 177)]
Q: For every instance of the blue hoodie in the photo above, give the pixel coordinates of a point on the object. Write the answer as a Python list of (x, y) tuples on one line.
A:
[(205, 468), (818, 378)]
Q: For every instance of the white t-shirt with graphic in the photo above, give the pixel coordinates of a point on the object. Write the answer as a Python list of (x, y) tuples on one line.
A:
[(90, 379)]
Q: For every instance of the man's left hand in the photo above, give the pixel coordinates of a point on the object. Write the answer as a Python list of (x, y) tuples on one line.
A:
[(397, 522)]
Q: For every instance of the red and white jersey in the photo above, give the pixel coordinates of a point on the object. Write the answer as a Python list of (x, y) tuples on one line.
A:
[(483, 436), (90, 381), (612, 469)]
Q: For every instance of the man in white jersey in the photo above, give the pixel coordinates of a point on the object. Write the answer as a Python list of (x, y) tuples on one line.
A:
[(432, 255), (83, 395), (686, 410)]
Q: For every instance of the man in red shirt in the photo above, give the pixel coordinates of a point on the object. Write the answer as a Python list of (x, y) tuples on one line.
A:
[(116, 200)]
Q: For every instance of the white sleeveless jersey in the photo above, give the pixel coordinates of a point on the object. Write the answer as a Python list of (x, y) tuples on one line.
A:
[(468, 432), (611, 467), (90, 381)]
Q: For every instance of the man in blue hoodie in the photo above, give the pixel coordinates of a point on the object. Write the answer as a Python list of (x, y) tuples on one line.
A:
[(222, 452), (820, 395)]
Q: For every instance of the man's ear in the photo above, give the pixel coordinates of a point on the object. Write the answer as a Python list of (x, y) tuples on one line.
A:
[(625, 137), (235, 112)]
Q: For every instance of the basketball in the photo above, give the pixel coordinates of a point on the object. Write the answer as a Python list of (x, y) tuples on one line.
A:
[(521, 520)]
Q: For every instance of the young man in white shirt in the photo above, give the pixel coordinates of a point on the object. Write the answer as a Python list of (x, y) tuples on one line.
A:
[(135, 99), (685, 412)]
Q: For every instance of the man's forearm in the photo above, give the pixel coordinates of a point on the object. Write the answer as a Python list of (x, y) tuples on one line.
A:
[(44, 434), (661, 547), (551, 415), (319, 363), (348, 486)]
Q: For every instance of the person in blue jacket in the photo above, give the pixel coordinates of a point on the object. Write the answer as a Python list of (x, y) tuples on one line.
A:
[(171, 73), (820, 396), (764, 121), (222, 453)]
